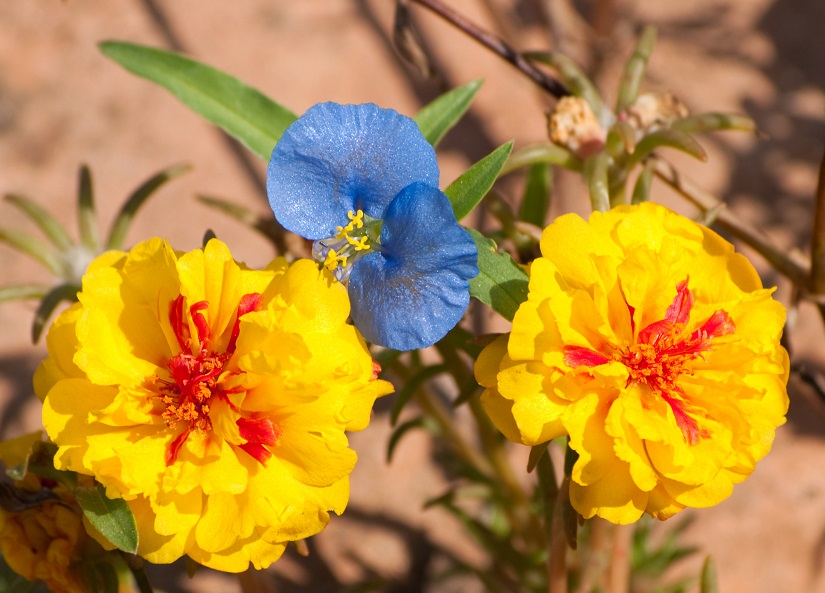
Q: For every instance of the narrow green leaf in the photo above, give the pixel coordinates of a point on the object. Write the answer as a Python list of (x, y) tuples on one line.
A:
[(44, 220), (399, 432), (536, 197), (641, 191), (86, 217), (708, 581), (573, 77), (22, 291), (63, 292), (467, 191), (240, 110), (500, 283), (264, 224), (42, 252), (536, 453), (406, 393), (551, 154), (437, 117), (120, 226), (634, 69), (710, 122), (111, 517), (666, 137), (595, 172)]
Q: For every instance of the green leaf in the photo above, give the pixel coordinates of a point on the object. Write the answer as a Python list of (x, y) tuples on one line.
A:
[(641, 191), (240, 110), (634, 69), (536, 453), (437, 117), (710, 122), (111, 517), (64, 292), (467, 191), (406, 393), (44, 220), (42, 252), (536, 197), (708, 580), (127, 212), (264, 224), (400, 431), (500, 283), (86, 218), (666, 137), (595, 173), (22, 291), (551, 154)]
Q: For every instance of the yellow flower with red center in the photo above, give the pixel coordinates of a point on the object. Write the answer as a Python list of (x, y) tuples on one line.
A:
[(654, 346), (214, 399)]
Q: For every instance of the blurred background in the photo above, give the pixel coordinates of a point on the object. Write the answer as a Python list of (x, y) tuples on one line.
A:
[(62, 104)]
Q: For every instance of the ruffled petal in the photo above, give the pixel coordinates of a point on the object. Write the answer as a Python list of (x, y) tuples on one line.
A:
[(415, 289), (338, 158)]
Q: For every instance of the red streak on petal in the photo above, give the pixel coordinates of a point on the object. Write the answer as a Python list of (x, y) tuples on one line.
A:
[(176, 320), (657, 329), (688, 426), (376, 369), (257, 451), (679, 310), (719, 324), (259, 430), (248, 303), (200, 321), (174, 447), (575, 356)]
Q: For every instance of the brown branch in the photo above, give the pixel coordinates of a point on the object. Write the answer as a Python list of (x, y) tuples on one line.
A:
[(818, 241), (497, 46)]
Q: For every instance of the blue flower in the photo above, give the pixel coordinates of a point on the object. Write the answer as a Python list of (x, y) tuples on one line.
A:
[(363, 183)]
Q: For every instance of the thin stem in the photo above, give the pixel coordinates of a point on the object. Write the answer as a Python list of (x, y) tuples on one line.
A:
[(141, 580), (818, 241), (497, 46), (557, 559), (618, 575)]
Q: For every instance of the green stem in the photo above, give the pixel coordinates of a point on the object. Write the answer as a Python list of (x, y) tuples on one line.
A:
[(141, 580)]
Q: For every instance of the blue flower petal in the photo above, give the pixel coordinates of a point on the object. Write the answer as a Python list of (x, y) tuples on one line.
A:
[(415, 289), (337, 158)]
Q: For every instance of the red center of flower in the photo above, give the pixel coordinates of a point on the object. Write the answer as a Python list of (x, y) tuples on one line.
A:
[(663, 352), (197, 374)]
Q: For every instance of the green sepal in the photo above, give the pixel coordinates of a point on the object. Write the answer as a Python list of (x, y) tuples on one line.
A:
[(436, 118), (137, 198), (468, 190), (708, 582), (634, 69), (240, 110), (500, 283), (44, 220), (112, 517), (536, 453), (666, 137)]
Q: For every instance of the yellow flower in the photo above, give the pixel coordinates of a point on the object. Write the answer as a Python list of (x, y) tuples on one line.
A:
[(41, 526), (211, 397), (653, 345)]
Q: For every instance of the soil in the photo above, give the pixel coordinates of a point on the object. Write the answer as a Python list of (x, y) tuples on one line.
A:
[(62, 103)]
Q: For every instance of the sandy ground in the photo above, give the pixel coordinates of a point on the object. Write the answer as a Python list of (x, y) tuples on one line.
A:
[(62, 104)]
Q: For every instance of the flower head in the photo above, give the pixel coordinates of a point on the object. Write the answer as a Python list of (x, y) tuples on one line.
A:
[(653, 345), (211, 397), (363, 183)]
